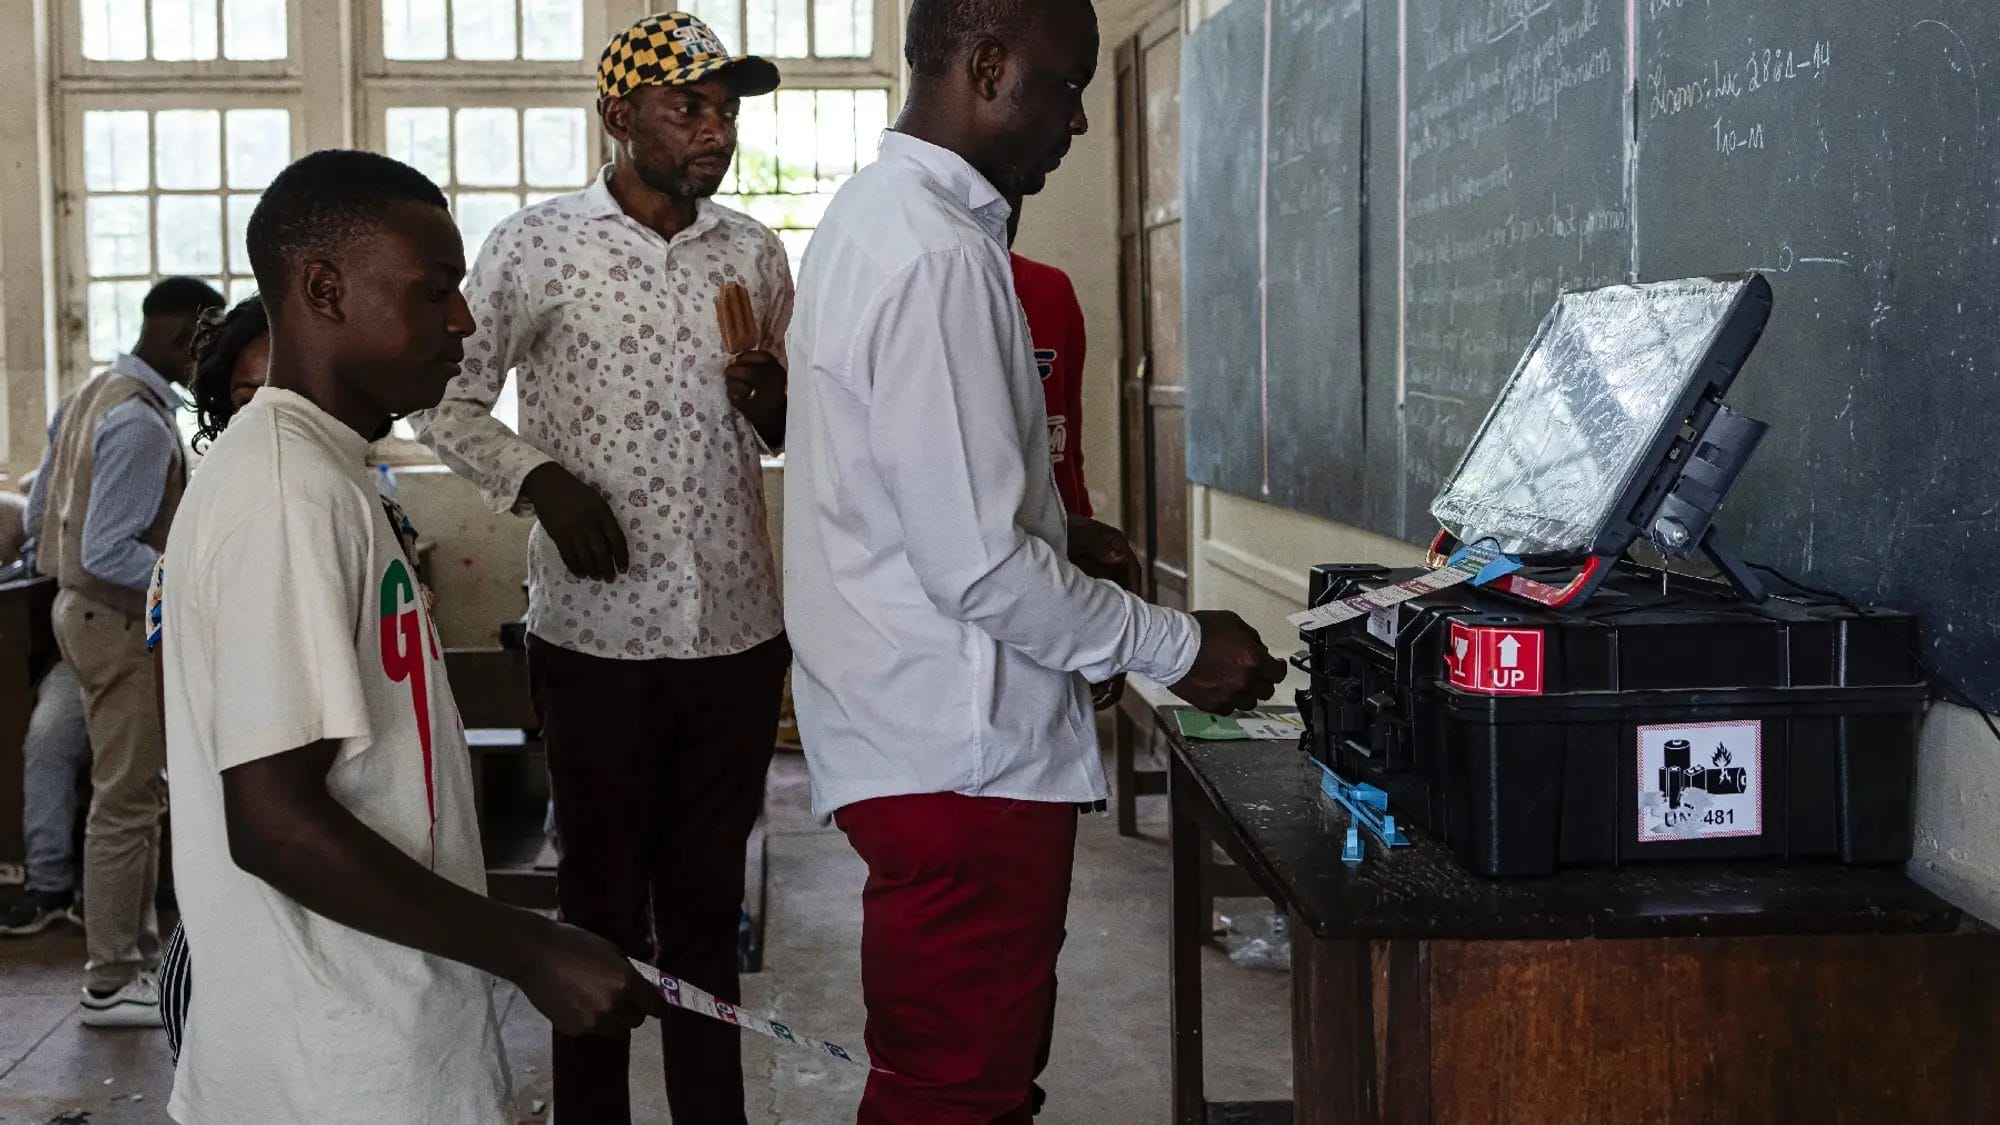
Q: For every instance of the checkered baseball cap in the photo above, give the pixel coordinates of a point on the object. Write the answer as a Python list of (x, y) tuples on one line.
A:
[(673, 49)]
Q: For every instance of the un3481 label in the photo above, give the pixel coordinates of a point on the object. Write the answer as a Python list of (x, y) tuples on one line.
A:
[(1701, 781)]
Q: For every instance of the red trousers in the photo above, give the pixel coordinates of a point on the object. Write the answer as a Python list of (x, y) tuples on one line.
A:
[(657, 768), (962, 919)]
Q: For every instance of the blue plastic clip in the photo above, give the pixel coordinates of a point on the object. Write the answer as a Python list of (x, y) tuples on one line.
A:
[(1496, 565), (1351, 850), (1368, 804)]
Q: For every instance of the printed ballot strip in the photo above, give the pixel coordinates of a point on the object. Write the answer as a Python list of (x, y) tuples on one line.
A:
[(1361, 605), (681, 994), (1701, 781)]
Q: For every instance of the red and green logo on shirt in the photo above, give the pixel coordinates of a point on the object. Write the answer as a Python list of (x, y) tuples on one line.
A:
[(404, 634)]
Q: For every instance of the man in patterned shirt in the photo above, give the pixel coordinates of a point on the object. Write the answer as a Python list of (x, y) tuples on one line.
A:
[(656, 648)]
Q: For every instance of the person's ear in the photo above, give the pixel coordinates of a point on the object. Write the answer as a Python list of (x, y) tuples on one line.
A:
[(986, 68), (616, 114), (323, 289)]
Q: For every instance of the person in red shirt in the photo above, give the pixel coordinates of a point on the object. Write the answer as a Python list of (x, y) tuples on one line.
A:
[(1055, 331), (1055, 326)]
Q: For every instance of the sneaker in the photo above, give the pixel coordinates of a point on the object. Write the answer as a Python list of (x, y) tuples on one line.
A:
[(135, 1005), (36, 911)]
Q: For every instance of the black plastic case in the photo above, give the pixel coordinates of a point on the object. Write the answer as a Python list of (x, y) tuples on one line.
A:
[(1681, 696)]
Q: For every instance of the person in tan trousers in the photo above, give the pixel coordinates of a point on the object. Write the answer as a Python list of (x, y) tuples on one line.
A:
[(102, 503)]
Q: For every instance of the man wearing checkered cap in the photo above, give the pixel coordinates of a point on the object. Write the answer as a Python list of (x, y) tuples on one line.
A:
[(656, 646)]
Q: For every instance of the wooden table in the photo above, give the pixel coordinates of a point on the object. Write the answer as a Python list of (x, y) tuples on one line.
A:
[(1718, 994), (510, 789), (27, 642), (1134, 727)]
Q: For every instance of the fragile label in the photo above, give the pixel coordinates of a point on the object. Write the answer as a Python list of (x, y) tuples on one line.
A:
[(1701, 781), (1495, 661)]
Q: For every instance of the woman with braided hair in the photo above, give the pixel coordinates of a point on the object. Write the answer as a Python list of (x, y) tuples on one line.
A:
[(232, 354)]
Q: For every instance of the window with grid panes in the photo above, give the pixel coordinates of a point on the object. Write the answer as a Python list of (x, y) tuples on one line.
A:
[(493, 100), (796, 147), (167, 193), (171, 118), (172, 31), (492, 160), (483, 30), (173, 114)]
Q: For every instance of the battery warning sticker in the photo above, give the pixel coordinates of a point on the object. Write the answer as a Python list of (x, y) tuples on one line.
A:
[(1701, 781)]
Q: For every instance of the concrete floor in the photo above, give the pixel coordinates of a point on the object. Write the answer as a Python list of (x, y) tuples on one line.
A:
[(1109, 1065)]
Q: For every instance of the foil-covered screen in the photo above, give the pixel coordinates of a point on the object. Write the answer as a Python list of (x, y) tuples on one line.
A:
[(1573, 427)]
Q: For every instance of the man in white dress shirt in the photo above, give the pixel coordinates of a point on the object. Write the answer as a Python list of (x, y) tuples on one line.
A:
[(945, 639)]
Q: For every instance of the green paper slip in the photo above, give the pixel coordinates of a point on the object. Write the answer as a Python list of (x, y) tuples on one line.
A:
[(1202, 726)]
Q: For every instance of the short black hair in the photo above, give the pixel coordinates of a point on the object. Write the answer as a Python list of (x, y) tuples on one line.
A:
[(324, 201), (181, 297), (217, 344), (939, 29)]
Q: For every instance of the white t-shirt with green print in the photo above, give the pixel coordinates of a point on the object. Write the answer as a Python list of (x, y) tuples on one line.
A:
[(289, 613)]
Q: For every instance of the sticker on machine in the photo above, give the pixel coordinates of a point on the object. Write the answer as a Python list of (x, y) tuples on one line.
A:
[(1701, 781)]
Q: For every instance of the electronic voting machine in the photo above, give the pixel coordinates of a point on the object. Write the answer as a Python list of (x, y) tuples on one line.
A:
[(1540, 699)]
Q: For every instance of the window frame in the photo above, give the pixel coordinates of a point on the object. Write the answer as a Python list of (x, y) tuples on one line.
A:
[(66, 30), (375, 66), (73, 258), (379, 96), (337, 84), (882, 63)]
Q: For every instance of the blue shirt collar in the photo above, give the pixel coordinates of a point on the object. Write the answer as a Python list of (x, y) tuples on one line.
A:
[(132, 367)]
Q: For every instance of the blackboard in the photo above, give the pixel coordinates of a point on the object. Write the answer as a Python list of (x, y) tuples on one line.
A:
[(1505, 150), (1222, 153), (1378, 503), (1312, 234), (1514, 191), (1849, 150)]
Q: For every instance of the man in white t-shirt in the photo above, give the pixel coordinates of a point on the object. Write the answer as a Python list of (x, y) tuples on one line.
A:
[(325, 848)]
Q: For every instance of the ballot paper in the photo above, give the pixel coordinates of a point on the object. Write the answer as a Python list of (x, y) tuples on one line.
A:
[(1467, 568), (683, 995)]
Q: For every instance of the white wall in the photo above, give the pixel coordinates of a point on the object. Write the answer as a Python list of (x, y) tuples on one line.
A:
[(1073, 225), (23, 188)]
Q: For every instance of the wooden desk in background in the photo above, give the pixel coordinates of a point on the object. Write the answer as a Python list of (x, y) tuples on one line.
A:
[(26, 641), (509, 778), (1724, 994)]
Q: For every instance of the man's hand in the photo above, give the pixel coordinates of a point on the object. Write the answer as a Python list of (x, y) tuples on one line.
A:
[(1102, 551), (1233, 671), (1107, 694), (757, 391), (579, 521), (286, 828), (585, 986)]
